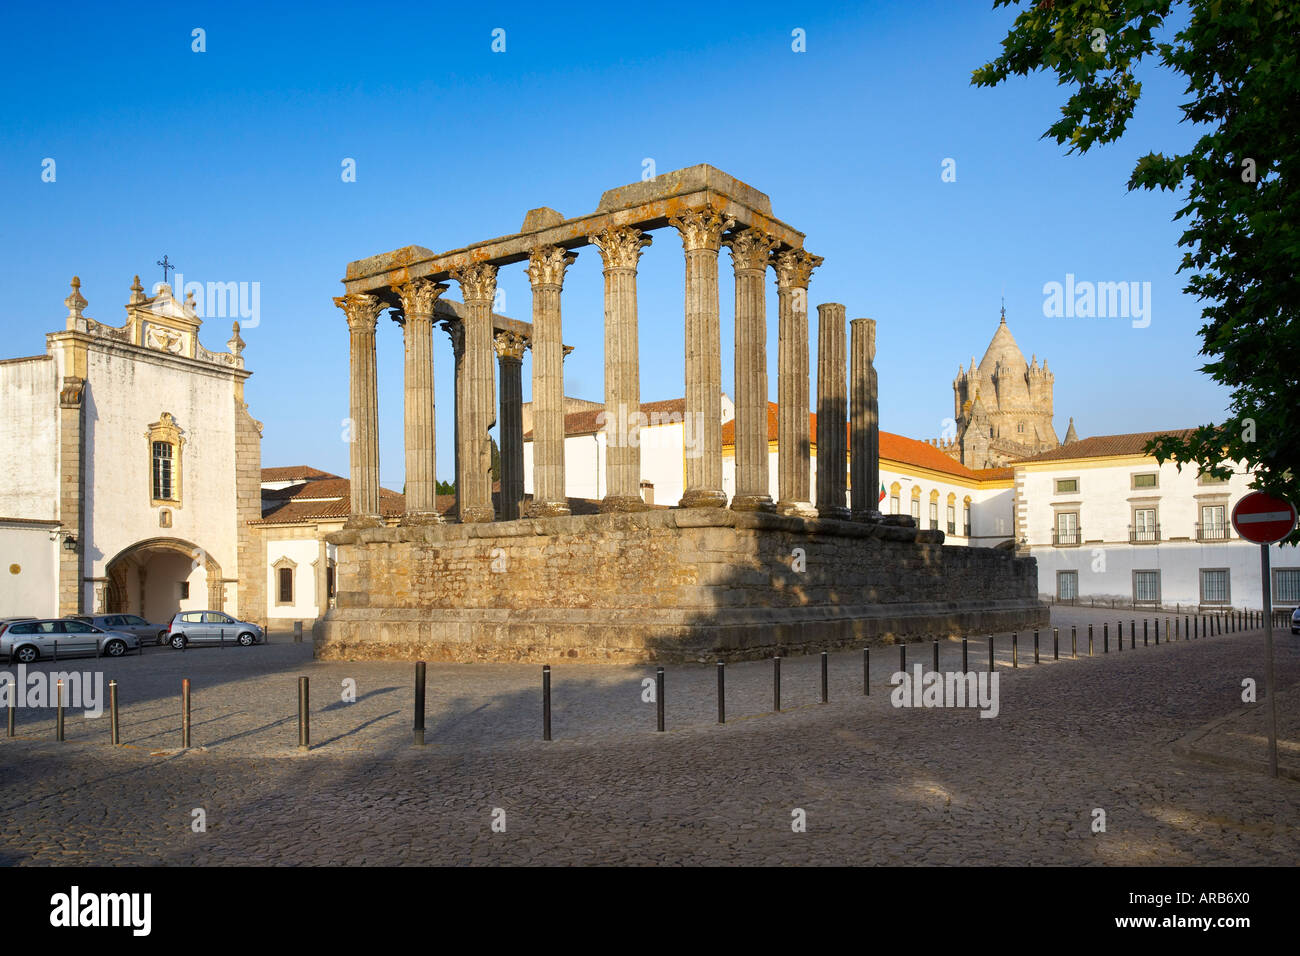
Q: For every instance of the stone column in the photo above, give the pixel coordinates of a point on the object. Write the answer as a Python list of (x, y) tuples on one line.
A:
[(864, 452), (832, 412), (794, 465), (456, 332), (362, 311), (478, 287), (701, 231), (418, 297), (546, 267), (621, 250), (750, 249), (510, 354)]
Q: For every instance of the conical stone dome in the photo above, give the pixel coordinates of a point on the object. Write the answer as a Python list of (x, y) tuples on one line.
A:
[(1002, 350)]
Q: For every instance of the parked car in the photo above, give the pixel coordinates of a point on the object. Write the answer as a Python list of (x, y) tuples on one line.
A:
[(6, 621), (28, 641), (128, 624), (211, 627), (1295, 621)]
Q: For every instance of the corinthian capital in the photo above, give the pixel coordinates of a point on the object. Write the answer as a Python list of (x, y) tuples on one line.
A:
[(750, 249), (419, 295), (546, 265), (620, 248), (477, 282), (702, 228), (511, 345), (361, 309), (794, 268), (456, 332)]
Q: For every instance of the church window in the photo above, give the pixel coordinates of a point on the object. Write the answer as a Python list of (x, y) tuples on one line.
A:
[(916, 508), (166, 446), (934, 516), (952, 519), (162, 471)]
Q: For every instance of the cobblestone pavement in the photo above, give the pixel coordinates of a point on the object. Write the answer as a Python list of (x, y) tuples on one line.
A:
[(878, 784)]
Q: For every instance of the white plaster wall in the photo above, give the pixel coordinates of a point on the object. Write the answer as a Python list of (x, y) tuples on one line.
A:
[(125, 393), (1105, 561), (29, 446), (303, 552), (33, 590)]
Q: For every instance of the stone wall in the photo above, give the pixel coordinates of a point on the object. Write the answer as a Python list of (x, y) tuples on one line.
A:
[(691, 584)]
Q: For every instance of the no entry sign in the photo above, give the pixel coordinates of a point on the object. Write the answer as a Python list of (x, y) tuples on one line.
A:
[(1262, 518)]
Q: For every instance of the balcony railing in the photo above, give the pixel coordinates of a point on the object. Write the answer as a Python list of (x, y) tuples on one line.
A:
[(1143, 535), (1067, 539), (1214, 532)]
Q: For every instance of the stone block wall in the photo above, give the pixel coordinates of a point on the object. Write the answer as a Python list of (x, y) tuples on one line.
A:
[(691, 584)]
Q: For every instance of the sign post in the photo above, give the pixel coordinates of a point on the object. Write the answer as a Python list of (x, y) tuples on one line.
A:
[(1264, 520)]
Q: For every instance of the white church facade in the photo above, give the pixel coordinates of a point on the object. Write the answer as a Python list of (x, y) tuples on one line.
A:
[(133, 470)]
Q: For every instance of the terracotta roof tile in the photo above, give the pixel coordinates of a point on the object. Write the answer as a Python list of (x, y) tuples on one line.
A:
[(294, 473), (1102, 446), (584, 422)]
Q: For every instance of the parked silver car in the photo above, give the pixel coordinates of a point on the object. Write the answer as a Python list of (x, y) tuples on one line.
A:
[(129, 624), (211, 627), (29, 641)]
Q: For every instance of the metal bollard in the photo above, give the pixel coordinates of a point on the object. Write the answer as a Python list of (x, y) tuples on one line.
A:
[(304, 716), (58, 717), (936, 657), (1035, 645), (990, 653), (1074, 642), (1056, 643), (546, 701), (297, 632), (826, 691), (112, 710), (1144, 633), (419, 703), (1105, 638), (965, 663), (1015, 650), (659, 698), (1090, 640), (866, 671), (222, 640), (1132, 635), (722, 693), (776, 684), (1187, 627), (902, 657), (185, 713)]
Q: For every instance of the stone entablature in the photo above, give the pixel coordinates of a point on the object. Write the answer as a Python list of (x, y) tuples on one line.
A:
[(680, 585)]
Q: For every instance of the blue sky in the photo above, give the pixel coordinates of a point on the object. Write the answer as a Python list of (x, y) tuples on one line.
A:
[(229, 162)]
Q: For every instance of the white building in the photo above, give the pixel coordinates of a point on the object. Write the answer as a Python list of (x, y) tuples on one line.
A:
[(300, 506), (972, 507), (133, 467), (1107, 522)]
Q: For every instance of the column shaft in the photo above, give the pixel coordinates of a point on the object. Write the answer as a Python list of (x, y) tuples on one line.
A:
[(621, 250), (793, 272), (362, 311), (864, 454), (832, 412), (701, 231), (546, 268), (475, 415), (418, 297), (510, 354), (749, 254)]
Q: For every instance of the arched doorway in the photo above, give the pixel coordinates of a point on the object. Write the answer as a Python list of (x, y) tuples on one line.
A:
[(160, 576)]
